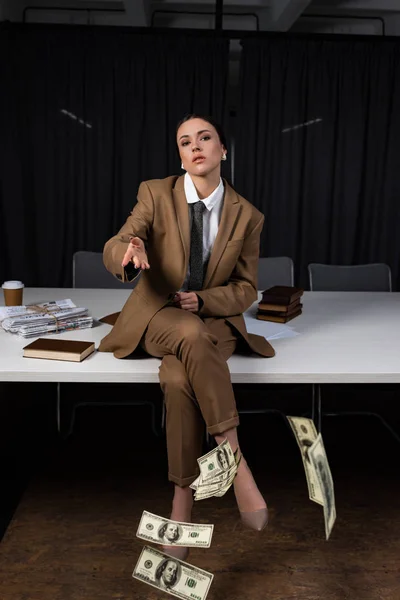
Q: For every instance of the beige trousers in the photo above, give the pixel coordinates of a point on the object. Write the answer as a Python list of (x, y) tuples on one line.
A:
[(195, 380)]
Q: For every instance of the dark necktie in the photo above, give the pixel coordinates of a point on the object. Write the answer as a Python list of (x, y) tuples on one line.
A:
[(196, 247)]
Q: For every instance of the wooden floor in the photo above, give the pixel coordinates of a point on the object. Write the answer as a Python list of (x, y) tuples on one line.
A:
[(72, 536)]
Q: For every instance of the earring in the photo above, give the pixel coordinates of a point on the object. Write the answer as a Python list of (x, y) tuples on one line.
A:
[(223, 157), (182, 167)]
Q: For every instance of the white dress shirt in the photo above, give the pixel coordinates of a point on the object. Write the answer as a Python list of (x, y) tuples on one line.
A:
[(211, 218)]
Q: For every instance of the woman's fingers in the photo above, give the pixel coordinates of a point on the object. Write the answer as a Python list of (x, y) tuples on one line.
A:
[(139, 263), (187, 301), (135, 255), (188, 305), (127, 256), (130, 256)]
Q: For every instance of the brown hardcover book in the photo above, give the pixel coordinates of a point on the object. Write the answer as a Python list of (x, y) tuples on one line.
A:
[(281, 294), (279, 308), (284, 313), (56, 349), (277, 319)]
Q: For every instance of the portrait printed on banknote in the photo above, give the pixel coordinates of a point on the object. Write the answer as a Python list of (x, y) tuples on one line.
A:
[(222, 459), (307, 441), (168, 573), (169, 533)]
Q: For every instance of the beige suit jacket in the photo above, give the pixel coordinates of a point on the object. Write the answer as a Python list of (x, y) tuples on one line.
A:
[(161, 219)]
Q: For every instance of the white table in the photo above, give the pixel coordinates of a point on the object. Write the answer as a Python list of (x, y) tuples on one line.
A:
[(344, 338)]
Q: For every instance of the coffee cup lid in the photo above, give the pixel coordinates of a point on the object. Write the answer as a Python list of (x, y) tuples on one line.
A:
[(12, 285)]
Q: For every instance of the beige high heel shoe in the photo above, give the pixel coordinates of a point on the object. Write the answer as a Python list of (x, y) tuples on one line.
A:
[(255, 519)]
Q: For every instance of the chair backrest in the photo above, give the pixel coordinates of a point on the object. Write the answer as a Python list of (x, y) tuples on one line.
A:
[(374, 277), (276, 270), (88, 271)]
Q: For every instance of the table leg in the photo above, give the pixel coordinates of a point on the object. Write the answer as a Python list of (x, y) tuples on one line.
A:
[(316, 406)]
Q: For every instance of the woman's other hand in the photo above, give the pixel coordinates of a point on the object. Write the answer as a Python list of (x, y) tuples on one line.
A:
[(136, 254), (187, 301)]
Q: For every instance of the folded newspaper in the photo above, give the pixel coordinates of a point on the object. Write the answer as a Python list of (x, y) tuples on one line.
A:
[(48, 317)]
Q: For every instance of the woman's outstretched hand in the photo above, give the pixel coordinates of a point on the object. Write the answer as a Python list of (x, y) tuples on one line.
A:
[(136, 254), (187, 301)]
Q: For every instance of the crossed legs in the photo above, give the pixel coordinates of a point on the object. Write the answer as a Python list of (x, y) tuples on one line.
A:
[(197, 388)]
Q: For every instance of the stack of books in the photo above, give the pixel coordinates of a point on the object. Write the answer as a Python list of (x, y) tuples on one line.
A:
[(280, 304)]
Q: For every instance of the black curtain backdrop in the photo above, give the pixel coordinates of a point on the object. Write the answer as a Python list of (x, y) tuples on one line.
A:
[(86, 115), (318, 148)]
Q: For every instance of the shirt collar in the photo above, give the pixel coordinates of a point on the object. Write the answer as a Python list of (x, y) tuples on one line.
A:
[(210, 201)]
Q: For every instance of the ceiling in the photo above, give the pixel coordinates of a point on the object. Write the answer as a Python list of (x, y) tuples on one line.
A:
[(340, 16)]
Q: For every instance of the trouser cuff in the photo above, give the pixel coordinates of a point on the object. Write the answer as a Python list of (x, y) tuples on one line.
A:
[(183, 481), (224, 426)]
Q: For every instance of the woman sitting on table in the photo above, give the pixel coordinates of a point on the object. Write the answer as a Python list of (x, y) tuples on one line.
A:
[(195, 242)]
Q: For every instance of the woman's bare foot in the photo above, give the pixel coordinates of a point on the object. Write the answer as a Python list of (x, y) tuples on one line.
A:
[(182, 504)]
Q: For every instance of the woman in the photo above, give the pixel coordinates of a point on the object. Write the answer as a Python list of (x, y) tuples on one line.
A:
[(195, 242)]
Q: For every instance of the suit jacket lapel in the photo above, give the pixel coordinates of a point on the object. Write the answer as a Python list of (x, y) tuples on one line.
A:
[(182, 215), (230, 213)]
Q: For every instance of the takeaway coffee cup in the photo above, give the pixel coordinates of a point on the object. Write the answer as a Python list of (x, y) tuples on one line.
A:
[(13, 291)]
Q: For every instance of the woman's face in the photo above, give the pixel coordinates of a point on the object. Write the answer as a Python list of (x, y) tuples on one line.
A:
[(199, 146)]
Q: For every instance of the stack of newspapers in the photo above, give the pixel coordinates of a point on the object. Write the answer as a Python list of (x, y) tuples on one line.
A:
[(49, 317)]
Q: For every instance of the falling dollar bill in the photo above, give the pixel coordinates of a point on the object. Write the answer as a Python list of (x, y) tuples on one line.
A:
[(217, 482), (216, 488), (171, 575), (223, 464), (154, 528), (306, 434), (200, 483), (320, 463), (227, 484), (217, 461)]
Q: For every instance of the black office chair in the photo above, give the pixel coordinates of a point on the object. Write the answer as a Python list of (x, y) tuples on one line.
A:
[(373, 277), (88, 271), (275, 270)]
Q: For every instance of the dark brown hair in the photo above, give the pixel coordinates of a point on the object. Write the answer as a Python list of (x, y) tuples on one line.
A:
[(210, 120)]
